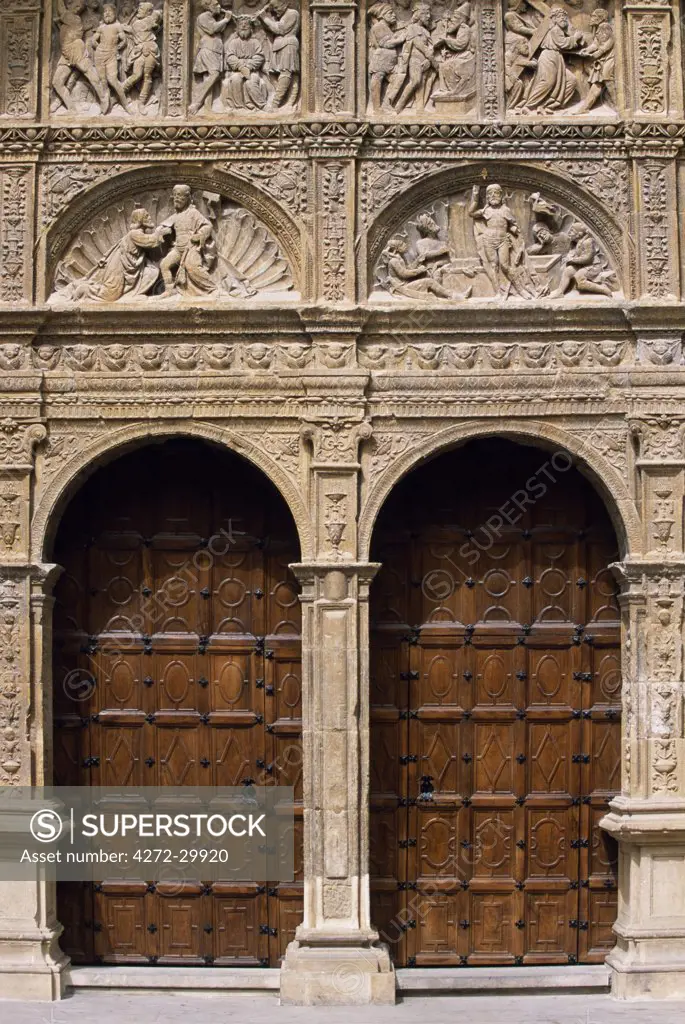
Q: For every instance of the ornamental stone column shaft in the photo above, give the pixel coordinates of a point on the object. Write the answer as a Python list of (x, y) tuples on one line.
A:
[(336, 956), (648, 818)]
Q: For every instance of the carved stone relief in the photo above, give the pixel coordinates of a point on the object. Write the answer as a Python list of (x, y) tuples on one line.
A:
[(558, 57), (422, 58), (13, 744), (106, 57), (488, 244), (18, 44), (247, 58), (184, 245)]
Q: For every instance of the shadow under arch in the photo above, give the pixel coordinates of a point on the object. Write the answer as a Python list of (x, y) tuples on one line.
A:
[(108, 447), (96, 199), (579, 202), (609, 484)]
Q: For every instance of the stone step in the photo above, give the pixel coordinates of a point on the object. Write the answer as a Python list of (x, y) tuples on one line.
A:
[(589, 977), (180, 979)]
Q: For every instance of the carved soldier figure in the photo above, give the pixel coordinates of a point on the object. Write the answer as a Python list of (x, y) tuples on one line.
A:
[(74, 56), (408, 277), (499, 243), (601, 50), (384, 41), (109, 40), (209, 58), (416, 59), (584, 266), (245, 85), (285, 50), (143, 55)]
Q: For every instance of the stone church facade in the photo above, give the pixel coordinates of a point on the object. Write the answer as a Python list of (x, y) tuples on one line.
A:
[(397, 288)]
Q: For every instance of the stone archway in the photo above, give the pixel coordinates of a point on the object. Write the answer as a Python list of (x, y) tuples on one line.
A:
[(177, 662), (495, 712)]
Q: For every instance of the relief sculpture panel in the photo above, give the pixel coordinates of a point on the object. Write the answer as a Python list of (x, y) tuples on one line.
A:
[(246, 59), (106, 58), (559, 58), (422, 58), (188, 244), (487, 244)]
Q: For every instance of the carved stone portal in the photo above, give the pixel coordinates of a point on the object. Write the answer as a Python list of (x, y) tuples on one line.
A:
[(483, 243), (182, 245)]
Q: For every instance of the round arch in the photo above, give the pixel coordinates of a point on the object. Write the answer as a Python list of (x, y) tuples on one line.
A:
[(96, 199), (109, 446), (579, 202), (609, 484)]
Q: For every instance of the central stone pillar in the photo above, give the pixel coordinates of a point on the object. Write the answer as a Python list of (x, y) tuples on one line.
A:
[(336, 956)]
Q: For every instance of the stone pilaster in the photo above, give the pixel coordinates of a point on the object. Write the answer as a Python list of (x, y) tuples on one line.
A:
[(333, 50), (336, 956), (653, 48), (648, 818), (658, 226)]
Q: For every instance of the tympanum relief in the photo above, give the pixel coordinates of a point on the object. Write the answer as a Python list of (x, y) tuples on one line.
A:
[(422, 57), (487, 243), (106, 57), (185, 245), (558, 58), (246, 58)]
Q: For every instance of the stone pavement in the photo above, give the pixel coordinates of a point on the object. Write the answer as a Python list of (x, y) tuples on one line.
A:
[(154, 1008)]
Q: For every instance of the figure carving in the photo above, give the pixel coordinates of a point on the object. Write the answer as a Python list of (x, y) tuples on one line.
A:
[(74, 61), (493, 245), (105, 56), (202, 246), (425, 62), (256, 66), (209, 58), (552, 63)]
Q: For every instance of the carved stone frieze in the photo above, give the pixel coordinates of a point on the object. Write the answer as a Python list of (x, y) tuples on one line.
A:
[(659, 438), (19, 34), (559, 57), (422, 58), (106, 59), (16, 204), (246, 58), (286, 180), (382, 180)]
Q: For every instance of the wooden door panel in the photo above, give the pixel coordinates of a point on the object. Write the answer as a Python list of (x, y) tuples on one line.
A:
[(503, 699), (180, 609)]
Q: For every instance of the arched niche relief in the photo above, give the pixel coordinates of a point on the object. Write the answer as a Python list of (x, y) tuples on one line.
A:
[(173, 234), (59, 488), (549, 438), (497, 233)]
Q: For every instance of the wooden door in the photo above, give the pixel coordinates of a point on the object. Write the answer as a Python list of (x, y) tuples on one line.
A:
[(495, 693), (177, 662)]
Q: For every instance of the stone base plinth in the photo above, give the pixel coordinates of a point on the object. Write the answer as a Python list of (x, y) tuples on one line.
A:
[(336, 974), (31, 970), (648, 961)]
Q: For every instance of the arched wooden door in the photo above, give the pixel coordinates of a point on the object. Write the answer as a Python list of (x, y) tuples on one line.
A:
[(177, 662), (495, 718)]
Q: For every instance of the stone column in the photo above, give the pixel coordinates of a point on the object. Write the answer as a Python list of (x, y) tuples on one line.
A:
[(336, 956), (648, 818), (31, 962)]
